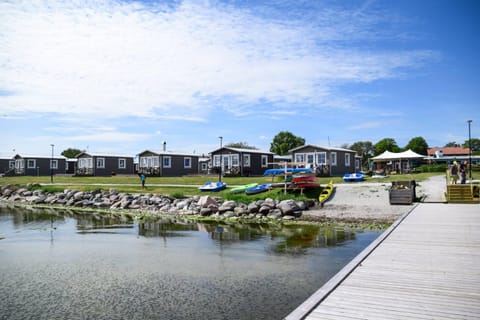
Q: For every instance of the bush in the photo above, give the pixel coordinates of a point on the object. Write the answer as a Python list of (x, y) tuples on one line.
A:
[(432, 168)]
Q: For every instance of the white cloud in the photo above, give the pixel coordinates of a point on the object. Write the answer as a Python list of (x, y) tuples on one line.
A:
[(112, 58)]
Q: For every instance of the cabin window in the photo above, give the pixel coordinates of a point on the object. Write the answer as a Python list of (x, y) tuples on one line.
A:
[(234, 160), (216, 160), (19, 164), (299, 157), (11, 164), (357, 164), (333, 158), (246, 160), (204, 167), (347, 159), (167, 162), (122, 163), (53, 164), (85, 163), (226, 161), (101, 163), (321, 158), (187, 163), (264, 161), (31, 164)]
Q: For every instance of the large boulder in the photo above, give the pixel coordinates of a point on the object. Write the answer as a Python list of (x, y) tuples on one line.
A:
[(206, 201)]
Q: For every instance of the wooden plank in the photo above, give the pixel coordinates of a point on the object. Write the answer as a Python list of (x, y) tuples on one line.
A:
[(427, 267)]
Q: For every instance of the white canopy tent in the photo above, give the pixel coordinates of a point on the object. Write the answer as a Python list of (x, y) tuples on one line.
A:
[(400, 162)]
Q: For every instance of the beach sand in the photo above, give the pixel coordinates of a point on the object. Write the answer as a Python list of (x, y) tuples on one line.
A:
[(370, 201)]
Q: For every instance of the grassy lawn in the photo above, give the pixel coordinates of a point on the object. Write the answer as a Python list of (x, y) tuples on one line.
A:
[(184, 186)]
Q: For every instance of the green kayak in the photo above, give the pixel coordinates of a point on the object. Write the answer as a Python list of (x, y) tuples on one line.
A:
[(243, 188)]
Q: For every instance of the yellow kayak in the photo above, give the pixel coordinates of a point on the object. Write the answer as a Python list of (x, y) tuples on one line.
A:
[(326, 192)]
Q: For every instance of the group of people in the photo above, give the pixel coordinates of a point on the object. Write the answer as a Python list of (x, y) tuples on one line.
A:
[(459, 170)]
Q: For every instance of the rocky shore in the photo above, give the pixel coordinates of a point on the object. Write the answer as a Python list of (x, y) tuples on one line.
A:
[(156, 204)]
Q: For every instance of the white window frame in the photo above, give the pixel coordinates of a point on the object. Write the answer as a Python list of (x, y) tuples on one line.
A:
[(235, 161), (31, 164), (54, 164), (216, 160), (11, 164), (321, 158), (85, 163), (187, 162), (357, 164), (100, 162), (246, 160), (264, 161), (167, 162), (300, 157), (122, 163), (333, 158), (204, 166), (347, 159)]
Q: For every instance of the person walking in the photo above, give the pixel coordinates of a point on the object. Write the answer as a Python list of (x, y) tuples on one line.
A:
[(463, 171), (454, 172), (143, 178)]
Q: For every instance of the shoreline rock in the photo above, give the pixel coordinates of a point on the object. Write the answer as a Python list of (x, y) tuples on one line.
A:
[(157, 204)]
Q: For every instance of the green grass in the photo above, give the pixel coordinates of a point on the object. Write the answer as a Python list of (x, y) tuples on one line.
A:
[(185, 186)]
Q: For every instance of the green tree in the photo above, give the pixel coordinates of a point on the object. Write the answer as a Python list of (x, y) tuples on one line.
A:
[(240, 145), (451, 144), (418, 145), (364, 149), (475, 145), (386, 144), (285, 141), (71, 152)]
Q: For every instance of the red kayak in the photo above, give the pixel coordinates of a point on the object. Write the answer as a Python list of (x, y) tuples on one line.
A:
[(304, 178)]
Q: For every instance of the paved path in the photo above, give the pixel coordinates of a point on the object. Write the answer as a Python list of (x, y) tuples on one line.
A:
[(426, 266)]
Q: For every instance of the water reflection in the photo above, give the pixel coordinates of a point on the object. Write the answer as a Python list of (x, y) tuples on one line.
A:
[(294, 239), (109, 267)]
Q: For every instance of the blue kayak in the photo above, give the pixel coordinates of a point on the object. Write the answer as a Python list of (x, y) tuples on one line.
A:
[(213, 186), (258, 189), (277, 172)]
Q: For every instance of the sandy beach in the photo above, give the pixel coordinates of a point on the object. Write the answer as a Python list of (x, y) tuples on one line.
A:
[(370, 201)]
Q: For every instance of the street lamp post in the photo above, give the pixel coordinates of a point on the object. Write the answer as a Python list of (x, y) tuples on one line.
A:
[(221, 156), (470, 149), (51, 165)]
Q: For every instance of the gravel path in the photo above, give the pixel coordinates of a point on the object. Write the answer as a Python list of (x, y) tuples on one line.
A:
[(370, 201)]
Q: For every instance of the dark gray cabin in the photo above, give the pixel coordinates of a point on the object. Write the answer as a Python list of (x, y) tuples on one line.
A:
[(326, 161), (95, 164), (7, 166), (167, 164), (240, 162), (39, 165)]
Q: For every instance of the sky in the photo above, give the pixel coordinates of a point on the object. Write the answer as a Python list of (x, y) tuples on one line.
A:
[(121, 77)]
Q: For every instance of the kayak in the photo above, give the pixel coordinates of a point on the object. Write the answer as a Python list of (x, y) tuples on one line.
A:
[(243, 188), (258, 189), (213, 186), (326, 192)]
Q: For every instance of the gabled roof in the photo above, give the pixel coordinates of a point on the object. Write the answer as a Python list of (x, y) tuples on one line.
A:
[(242, 150), (169, 153), (321, 147), (449, 151), (106, 155)]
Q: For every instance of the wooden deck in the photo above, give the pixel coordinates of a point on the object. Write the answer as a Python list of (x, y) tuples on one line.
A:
[(426, 266)]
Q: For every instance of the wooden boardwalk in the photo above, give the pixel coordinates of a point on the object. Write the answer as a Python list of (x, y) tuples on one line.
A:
[(426, 266)]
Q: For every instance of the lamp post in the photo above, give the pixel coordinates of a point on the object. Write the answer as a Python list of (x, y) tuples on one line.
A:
[(470, 150), (221, 156), (51, 165)]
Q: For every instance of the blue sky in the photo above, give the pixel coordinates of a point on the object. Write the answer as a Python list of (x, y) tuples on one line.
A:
[(124, 76)]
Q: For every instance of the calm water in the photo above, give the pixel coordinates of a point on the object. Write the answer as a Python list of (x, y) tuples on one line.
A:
[(62, 265)]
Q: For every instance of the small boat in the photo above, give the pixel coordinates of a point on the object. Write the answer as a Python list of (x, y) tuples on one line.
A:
[(306, 185), (353, 177), (258, 189), (304, 178), (326, 192), (278, 172), (213, 186), (242, 189)]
